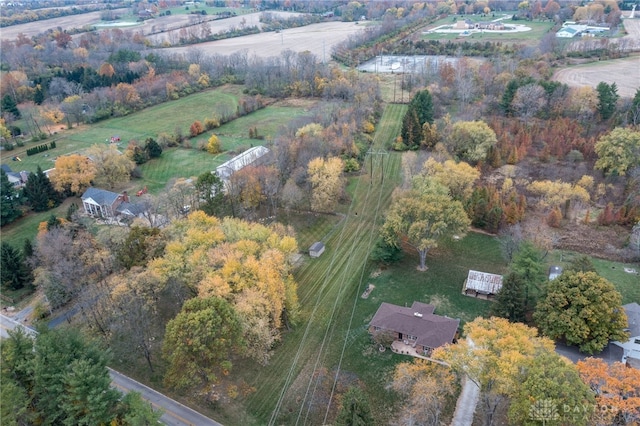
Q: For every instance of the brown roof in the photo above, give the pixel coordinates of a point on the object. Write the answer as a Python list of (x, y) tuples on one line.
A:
[(418, 320)]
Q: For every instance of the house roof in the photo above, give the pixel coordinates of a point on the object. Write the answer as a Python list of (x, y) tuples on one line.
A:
[(483, 282), (633, 318), (131, 209), (316, 246), (6, 168), (419, 320), (226, 169), (100, 196)]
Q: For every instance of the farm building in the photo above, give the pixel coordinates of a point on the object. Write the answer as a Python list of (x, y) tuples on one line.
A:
[(482, 284), (316, 249), (416, 330), (107, 204), (251, 157)]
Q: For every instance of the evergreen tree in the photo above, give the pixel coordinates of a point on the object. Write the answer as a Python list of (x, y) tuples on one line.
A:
[(38, 95), (510, 300), (153, 149), (355, 410), (419, 112), (607, 99), (210, 189), (39, 192), (27, 248), (14, 272), (9, 210), (9, 105), (528, 266)]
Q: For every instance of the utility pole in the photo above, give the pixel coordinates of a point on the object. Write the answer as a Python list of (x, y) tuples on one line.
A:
[(371, 153)]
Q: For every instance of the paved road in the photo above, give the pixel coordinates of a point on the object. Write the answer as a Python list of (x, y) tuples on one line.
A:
[(175, 413)]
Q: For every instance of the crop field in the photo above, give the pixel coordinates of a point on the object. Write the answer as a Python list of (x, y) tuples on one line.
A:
[(623, 72)]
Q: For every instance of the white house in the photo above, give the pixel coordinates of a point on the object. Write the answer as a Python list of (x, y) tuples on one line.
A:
[(316, 249), (631, 348)]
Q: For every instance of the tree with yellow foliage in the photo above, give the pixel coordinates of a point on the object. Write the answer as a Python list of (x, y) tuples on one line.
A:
[(72, 174), (326, 181), (112, 167)]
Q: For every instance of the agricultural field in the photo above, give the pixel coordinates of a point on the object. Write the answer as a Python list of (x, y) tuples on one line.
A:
[(623, 72)]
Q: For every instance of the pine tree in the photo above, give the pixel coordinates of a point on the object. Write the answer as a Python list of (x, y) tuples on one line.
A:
[(15, 273), (607, 99), (39, 192), (510, 300), (9, 210), (420, 111), (153, 149), (9, 105)]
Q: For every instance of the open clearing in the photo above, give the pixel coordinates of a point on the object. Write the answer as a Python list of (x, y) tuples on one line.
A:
[(318, 39), (623, 72)]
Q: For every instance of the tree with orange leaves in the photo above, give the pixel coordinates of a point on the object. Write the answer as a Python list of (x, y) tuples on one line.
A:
[(617, 390)]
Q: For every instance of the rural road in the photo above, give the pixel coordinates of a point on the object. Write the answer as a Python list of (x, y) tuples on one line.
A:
[(175, 413)]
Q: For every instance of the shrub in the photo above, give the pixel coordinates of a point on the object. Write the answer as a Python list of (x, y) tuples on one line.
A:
[(196, 128), (213, 146), (212, 123)]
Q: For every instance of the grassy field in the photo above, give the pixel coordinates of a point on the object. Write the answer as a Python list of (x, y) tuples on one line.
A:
[(538, 30), (139, 126), (628, 284)]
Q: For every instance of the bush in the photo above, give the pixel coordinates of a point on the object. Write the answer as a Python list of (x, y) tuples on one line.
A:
[(211, 123), (196, 128)]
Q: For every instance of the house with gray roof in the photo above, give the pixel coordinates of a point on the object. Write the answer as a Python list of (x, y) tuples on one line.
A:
[(106, 204), (631, 348), (416, 326), (17, 179)]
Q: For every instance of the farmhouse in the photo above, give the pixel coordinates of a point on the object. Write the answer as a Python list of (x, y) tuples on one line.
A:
[(482, 284), (416, 330), (107, 204), (631, 348), (252, 157)]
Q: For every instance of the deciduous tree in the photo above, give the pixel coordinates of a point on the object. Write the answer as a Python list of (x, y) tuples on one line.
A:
[(73, 174), (199, 342), (423, 217), (618, 151), (211, 191), (616, 388), (427, 390), (326, 181), (499, 356), (471, 140), (584, 309), (459, 178), (112, 168)]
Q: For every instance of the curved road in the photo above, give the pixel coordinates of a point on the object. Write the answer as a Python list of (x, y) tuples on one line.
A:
[(175, 413)]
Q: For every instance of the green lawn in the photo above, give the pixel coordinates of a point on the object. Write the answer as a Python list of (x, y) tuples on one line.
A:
[(538, 30), (139, 126), (628, 284)]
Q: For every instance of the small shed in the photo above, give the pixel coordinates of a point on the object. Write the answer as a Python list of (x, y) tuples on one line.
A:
[(316, 249), (554, 272), (482, 284)]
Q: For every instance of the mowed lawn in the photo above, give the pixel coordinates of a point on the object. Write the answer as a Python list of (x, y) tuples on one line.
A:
[(163, 118), (532, 37)]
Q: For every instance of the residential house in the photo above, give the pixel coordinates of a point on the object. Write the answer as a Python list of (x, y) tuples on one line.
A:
[(107, 204), (482, 284), (416, 327), (17, 179), (631, 348)]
